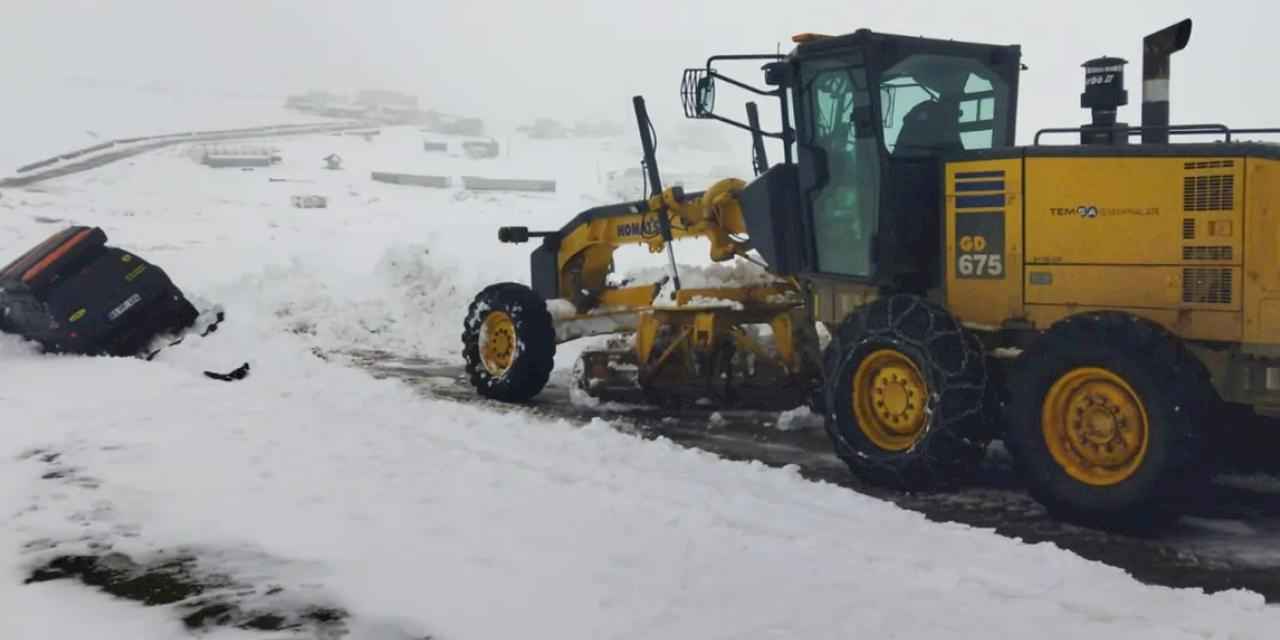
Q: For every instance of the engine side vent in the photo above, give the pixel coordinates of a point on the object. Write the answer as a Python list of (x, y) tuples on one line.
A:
[(1188, 228), (1210, 164), (1206, 285), (1208, 193), (1207, 253)]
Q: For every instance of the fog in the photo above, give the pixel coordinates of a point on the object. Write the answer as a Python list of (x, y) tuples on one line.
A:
[(513, 61)]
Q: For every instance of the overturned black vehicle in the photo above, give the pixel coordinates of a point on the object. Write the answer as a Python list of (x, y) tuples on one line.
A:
[(74, 294)]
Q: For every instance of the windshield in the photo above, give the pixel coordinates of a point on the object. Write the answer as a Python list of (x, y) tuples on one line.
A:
[(938, 103)]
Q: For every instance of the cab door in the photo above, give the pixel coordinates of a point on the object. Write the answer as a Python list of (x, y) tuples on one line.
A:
[(839, 163)]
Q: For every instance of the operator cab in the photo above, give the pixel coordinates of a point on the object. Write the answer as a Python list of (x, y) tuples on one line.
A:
[(875, 115)]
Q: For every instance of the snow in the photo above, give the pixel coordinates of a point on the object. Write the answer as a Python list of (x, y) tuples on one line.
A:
[(423, 516), (799, 418), (704, 274)]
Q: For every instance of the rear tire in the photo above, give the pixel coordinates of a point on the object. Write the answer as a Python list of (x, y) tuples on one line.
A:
[(509, 343), (1105, 421), (883, 360)]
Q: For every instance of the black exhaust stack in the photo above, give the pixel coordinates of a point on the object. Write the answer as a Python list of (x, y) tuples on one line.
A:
[(1156, 50), (1103, 96)]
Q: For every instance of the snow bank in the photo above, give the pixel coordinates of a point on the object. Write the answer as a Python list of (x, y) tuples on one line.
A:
[(410, 303)]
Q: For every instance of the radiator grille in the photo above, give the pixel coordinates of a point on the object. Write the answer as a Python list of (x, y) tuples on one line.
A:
[(1208, 193), (1207, 253), (1188, 228), (1210, 164), (1205, 285)]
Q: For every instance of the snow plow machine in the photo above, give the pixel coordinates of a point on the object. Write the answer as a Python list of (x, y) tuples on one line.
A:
[(1097, 304)]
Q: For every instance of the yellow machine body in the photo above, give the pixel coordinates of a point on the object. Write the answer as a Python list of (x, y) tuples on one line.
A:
[(585, 255), (1188, 242)]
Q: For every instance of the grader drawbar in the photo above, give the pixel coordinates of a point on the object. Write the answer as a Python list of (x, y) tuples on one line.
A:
[(1096, 304)]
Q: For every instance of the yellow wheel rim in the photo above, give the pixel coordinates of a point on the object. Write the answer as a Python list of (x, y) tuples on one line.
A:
[(1095, 426), (498, 346), (889, 397)]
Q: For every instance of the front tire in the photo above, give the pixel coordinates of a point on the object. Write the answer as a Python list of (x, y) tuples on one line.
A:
[(1105, 421), (508, 342), (904, 395)]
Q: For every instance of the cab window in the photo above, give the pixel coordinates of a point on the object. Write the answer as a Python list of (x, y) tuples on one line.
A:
[(935, 103)]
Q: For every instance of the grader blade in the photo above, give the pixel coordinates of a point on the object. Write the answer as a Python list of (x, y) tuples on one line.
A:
[(609, 375)]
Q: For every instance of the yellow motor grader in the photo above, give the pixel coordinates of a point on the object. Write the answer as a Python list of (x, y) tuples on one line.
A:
[(1091, 303)]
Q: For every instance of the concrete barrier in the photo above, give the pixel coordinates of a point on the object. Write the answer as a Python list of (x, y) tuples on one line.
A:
[(220, 161), (93, 149), (436, 182), (474, 183), (128, 147), (39, 165), (70, 155), (211, 134)]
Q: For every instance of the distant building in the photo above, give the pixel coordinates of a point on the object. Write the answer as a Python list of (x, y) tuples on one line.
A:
[(597, 129), (456, 125), (544, 128), (382, 98), (313, 100), (387, 107)]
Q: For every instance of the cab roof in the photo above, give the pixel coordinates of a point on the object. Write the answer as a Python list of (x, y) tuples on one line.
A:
[(808, 44)]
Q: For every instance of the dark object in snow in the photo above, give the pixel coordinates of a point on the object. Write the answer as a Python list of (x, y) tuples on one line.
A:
[(74, 294), (213, 326), (239, 373), (164, 584), (206, 600)]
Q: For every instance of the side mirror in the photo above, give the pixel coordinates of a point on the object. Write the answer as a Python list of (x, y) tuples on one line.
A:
[(706, 95), (697, 93)]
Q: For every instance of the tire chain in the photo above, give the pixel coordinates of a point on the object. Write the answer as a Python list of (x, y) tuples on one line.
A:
[(948, 438)]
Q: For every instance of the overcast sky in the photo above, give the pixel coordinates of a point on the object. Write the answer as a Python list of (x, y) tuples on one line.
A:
[(518, 59)]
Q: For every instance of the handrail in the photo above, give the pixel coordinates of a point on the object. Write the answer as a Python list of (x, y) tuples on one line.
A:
[(1180, 129), (1176, 129)]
